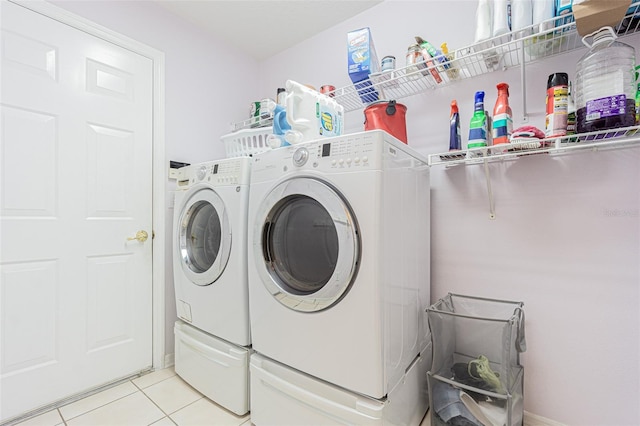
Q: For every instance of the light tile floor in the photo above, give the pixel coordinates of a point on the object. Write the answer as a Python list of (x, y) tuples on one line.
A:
[(160, 398)]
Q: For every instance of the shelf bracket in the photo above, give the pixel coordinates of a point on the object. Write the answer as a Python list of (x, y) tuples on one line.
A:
[(523, 84), (492, 210)]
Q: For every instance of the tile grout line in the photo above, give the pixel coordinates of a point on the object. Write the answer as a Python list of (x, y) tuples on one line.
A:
[(153, 384), (94, 409), (168, 415), (64, 422)]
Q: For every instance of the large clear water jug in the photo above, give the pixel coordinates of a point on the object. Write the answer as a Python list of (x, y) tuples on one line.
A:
[(605, 93)]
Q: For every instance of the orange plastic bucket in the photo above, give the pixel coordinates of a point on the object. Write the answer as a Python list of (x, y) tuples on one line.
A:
[(389, 116)]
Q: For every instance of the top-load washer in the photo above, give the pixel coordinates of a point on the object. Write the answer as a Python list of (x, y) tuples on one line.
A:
[(339, 259), (210, 248)]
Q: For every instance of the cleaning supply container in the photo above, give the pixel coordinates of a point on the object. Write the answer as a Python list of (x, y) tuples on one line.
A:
[(502, 116), (389, 116), (605, 89), (479, 125), (311, 114)]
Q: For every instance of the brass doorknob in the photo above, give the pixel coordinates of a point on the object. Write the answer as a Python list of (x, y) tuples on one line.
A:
[(141, 236)]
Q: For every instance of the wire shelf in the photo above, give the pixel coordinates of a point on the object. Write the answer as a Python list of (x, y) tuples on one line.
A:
[(253, 122), (606, 139), (550, 38)]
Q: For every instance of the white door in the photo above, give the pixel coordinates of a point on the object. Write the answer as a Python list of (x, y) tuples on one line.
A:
[(76, 182)]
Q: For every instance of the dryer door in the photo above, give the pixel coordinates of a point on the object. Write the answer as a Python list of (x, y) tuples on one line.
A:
[(307, 244), (203, 235)]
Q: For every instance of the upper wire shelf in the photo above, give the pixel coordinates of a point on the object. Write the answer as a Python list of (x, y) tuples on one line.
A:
[(552, 37), (605, 139)]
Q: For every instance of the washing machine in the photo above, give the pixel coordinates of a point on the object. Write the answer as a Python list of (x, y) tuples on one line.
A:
[(339, 260), (212, 335)]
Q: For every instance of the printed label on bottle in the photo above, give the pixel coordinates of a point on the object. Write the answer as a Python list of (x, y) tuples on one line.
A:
[(571, 123), (478, 135), (606, 107), (329, 121), (502, 128), (557, 109)]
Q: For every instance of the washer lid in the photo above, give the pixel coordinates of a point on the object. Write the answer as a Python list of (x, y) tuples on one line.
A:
[(204, 236), (306, 244)]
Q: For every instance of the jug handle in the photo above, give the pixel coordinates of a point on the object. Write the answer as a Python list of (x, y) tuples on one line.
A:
[(584, 39), (293, 100), (280, 123), (391, 108)]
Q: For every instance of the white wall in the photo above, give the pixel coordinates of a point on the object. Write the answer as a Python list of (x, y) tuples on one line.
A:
[(566, 240), (208, 86)]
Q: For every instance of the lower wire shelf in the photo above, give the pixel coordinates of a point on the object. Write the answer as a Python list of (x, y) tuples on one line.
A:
[(627, 137), (601, 140)]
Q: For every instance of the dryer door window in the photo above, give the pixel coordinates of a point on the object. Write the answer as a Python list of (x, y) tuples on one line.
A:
[(308, 245), (204, 237)]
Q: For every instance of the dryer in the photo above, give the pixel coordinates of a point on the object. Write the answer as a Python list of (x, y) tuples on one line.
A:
[(339, 259), (213, 337)]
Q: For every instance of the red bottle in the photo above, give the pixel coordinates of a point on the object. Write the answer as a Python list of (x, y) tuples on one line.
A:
[(502, 116)]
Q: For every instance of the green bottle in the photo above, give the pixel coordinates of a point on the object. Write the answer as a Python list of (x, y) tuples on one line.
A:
[(478, 125), (638, 94)]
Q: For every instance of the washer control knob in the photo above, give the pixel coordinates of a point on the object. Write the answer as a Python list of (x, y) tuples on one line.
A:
[(201, 173), (300, 156)]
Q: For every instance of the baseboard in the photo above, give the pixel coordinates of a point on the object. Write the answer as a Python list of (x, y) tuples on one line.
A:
[(169, 360), (535, 420)]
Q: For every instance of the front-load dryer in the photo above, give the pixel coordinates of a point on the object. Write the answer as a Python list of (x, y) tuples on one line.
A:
[(210, 277), (210, 248), (339, 259)]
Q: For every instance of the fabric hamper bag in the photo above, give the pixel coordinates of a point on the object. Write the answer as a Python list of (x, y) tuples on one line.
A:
[(476, 372)]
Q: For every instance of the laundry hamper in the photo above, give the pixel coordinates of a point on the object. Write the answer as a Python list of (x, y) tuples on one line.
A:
[(476, 372)]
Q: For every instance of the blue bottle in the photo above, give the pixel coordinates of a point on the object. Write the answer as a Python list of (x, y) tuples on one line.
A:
[(455, 143)]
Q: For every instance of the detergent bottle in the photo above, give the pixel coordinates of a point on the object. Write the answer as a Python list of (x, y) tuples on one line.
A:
[(311, 114)]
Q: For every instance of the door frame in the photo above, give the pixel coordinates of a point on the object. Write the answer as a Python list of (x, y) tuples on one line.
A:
[(158, 163)]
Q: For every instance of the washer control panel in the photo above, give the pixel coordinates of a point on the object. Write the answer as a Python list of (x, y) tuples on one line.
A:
[(346, 153)]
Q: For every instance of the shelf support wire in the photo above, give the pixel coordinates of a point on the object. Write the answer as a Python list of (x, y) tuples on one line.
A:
[(492, 209), (523, 83)]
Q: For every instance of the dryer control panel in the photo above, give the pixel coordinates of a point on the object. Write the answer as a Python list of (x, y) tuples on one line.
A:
[(233, 171)]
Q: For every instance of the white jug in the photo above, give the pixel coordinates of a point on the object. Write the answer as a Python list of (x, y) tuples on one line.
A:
[(311, 114)]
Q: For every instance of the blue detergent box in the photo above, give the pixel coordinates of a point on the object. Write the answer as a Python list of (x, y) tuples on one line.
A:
[(362, 61)]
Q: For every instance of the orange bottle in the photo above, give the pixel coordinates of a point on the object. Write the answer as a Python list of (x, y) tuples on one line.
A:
[(502, 116)]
